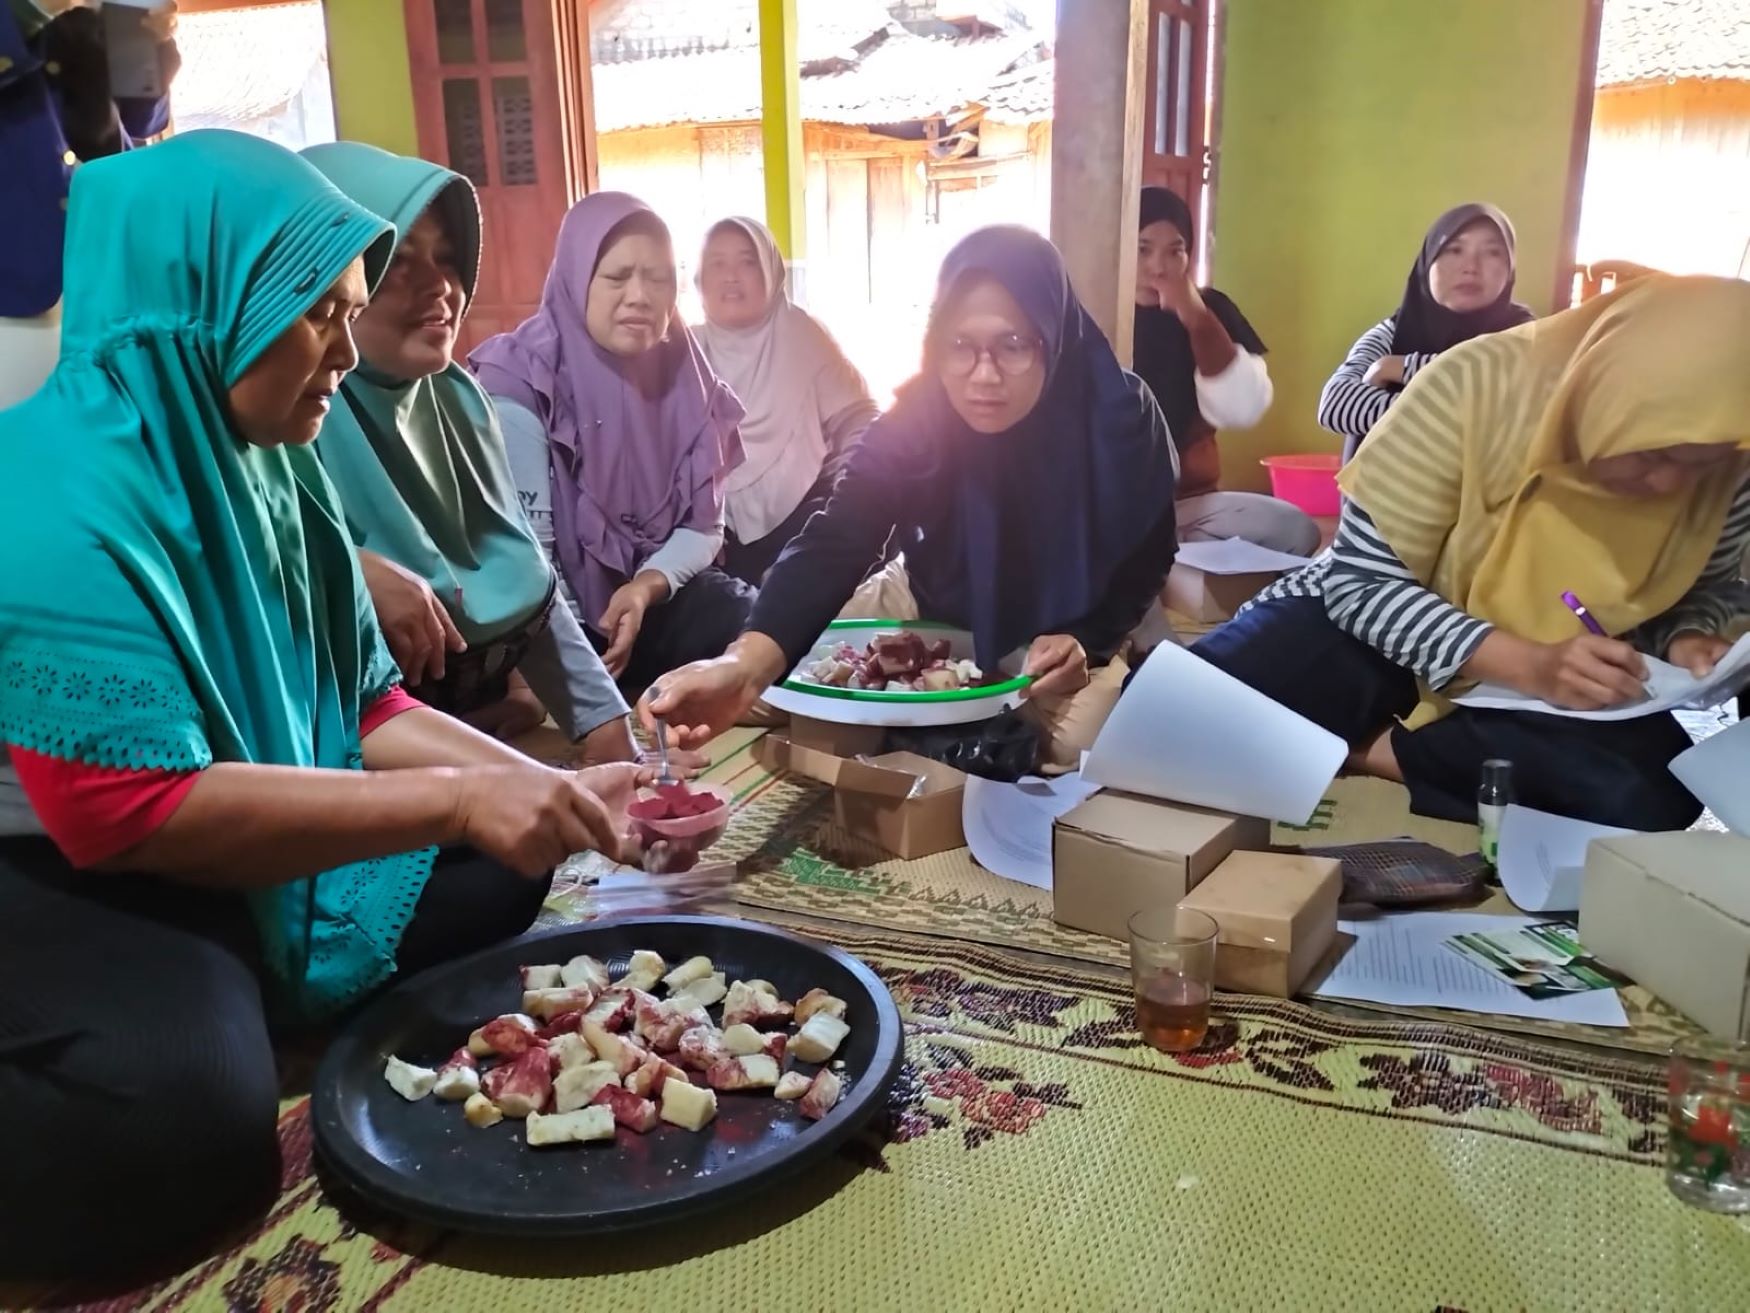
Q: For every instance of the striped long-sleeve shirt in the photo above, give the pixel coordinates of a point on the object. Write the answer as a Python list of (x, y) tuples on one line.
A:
[(1350, 406), (1371, 594)]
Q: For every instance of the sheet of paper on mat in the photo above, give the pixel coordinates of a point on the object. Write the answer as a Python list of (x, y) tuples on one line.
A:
[(1187, 732), (1669, 688), (1543, 857), (1236, 556), (1008, 826), (1403, 961), (1717, 770)]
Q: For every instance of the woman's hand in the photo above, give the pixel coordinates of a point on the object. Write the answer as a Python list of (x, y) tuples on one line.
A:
[(1586, 673), (516, 713), (1059, 666), (418, 629), (1387, 371), (532, 817), (1696, 652), (624, 616), (701, 700), (1179, 296)]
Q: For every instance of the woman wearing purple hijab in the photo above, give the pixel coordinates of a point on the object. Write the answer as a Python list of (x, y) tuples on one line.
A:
[(620, 438)]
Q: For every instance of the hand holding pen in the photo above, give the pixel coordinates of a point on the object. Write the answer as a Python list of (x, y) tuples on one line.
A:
[(1591, 671)]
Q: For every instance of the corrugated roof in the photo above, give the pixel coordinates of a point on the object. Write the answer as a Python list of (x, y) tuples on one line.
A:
[(636, 30), (1658, 40), (242, 64), (1027, 95), (903, 78)]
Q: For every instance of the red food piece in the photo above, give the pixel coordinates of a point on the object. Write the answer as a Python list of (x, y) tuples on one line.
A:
[(648, 1080), (673, 802), (630, 1110), (522, 1086), (460, 1058), (941, 650), (822, 1096), (776, 1043), (701, 1048), (564, 1023), (613, 1010), (661, 1025), (508, 1036), (897, 656)]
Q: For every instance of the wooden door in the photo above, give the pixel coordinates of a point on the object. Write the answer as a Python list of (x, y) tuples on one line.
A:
[(1176, 124), (489, 103)]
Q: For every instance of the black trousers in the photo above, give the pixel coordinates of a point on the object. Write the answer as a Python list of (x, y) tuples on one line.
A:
[(703, 618), (138, 1096), (752, 561), (1609, 772)]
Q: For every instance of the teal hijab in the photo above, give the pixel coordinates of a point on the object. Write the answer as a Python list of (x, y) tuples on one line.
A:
[(175, 596), (420, 464)]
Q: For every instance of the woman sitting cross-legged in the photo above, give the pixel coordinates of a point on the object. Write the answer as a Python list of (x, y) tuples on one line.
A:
[(807, 406), (1026, 477), (1600, 452), (235, 811), (620, 441), (414, 449)]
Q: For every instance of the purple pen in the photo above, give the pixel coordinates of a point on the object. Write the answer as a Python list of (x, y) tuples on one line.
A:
[(1578, 607)]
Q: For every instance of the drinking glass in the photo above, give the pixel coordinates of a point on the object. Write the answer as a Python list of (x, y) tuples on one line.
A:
[(1707, 1155), (1172, 966)]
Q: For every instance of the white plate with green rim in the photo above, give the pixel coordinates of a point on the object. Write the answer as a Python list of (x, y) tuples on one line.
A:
[(898, 710)]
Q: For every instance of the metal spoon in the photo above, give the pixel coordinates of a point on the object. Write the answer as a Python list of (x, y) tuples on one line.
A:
[(667, 775)]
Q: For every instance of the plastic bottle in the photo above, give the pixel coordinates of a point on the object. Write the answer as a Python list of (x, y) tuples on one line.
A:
[(1493, 795)]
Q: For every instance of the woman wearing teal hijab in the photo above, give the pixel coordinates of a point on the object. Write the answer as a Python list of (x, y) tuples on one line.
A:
[(461, 586), (240, 816)]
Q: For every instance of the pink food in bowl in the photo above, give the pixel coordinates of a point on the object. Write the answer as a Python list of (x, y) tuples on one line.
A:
[(674, 822)]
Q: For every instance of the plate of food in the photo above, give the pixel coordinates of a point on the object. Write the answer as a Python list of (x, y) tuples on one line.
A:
[(604, 1077), (899, 673)]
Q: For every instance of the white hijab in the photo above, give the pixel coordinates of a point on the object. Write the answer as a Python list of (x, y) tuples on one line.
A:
[(793, 380)]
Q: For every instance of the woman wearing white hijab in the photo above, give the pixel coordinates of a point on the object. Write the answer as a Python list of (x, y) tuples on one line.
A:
[(807, 406)]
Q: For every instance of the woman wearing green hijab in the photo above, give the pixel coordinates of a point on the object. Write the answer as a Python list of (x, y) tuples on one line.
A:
[(232, 810), (461, 586)]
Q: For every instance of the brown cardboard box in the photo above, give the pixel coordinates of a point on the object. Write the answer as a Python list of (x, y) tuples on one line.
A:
[(1118, 853), (1673, 912), (838, 740), (1278, 915), (905, 803), (1212, 598)]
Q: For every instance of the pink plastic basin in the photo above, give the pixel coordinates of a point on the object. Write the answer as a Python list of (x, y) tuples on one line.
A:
[(1308, 481)]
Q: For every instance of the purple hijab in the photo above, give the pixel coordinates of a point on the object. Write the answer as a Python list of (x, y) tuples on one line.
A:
[(638, 448)]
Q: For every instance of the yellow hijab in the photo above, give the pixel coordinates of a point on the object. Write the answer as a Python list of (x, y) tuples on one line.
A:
[(1476, 478)]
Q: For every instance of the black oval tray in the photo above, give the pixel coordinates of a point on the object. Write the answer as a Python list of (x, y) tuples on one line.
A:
[(423, 1160)]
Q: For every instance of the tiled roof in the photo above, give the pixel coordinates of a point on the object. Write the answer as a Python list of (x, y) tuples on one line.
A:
[(1027, 95), (1657, 40), (900, 79), (636, 30), (242, 64)]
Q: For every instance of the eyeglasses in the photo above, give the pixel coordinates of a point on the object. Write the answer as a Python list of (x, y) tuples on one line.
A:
[(1012, 354)]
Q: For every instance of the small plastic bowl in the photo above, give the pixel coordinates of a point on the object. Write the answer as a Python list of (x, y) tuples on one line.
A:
[(690, 832)]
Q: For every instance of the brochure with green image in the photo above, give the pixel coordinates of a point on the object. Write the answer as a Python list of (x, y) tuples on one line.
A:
[(1542, 961)]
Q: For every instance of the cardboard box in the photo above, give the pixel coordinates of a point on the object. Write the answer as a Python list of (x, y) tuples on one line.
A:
[(1212, 598), (1673, 912), (835, 739), (1278, 915), (1118, 853), (906, 804)]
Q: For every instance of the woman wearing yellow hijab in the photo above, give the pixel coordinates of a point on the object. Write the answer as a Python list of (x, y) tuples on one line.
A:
[(1603, 453)]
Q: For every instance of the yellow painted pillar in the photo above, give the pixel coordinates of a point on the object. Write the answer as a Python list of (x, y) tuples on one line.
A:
[(781, 131)]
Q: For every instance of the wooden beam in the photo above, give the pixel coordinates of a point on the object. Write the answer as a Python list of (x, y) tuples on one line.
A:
[(781, 130), (1096, 155)]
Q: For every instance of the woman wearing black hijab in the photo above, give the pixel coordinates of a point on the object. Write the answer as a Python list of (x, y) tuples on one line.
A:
[(1027, 478), (1460, 287), (1205, 365)]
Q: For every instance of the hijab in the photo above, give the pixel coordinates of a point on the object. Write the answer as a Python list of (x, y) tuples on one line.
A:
[(420, 463), (1477, 480), (793, 380), (1163, 346), (1424, 326), (1018, 534), (639, 448), (175, 595)]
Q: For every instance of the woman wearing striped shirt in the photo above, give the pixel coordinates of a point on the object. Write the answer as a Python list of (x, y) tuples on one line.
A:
[(1601, 452), (1460, 287)]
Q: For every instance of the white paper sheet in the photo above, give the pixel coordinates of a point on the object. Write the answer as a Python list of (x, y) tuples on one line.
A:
[(1669, 687), (1543, 857), (1236, 556), (1187, 732), (1008, 826), (1403, 960), (1717, 770)]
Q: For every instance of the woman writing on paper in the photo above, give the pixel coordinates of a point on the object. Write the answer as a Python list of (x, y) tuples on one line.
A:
[(1460, 287), (1600, 452), (1029, 481)]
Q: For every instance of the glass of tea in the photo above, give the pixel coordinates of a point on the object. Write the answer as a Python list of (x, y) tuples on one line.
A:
[(1707, 1154), (1172, 965)]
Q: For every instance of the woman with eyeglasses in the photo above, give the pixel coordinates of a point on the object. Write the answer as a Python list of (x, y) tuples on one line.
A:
[(1028, 480)]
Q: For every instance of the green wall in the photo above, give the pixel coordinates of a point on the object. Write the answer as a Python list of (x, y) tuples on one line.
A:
[(1346, 127), (367, 59)]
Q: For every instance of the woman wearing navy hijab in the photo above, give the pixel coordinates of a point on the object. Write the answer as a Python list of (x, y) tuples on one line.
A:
[(1027, 478)]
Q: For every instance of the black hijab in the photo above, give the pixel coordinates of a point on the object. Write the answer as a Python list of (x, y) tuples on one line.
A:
[(1018, 534), (1424, 326), (1163, 347)]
